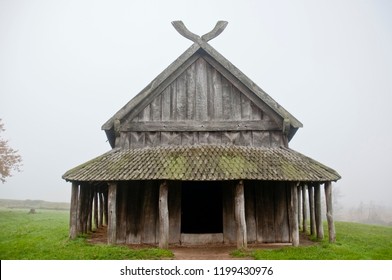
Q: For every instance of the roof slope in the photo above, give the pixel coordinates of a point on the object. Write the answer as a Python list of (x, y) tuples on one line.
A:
[(203, 163), (231, 72)]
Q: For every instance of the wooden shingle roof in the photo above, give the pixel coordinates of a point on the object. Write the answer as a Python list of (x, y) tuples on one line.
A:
[(202, 163)]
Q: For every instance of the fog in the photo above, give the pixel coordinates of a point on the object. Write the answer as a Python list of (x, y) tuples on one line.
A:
[(67, 66)]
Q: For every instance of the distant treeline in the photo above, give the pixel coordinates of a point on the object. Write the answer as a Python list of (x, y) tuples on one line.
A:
[(36, 204)]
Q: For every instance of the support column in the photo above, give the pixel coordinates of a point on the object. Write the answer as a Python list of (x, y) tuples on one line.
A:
[(239, 206), (96, 221), (163, 216), (112, 215), (100, 199), (304, 210), (319, 221), (312, 216), (328, 200), (299, 212), (73, 219), (294, 230)]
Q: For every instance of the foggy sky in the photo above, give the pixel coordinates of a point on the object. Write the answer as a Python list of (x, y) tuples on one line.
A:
[(67, 66)]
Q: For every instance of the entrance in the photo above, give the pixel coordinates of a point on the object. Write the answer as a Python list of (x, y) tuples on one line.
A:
[(201, 207)]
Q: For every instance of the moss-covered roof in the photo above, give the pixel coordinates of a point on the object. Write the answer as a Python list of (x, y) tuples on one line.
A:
[(202, 163)]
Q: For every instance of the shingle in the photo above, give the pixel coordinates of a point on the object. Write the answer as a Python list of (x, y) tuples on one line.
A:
[(202, 162)]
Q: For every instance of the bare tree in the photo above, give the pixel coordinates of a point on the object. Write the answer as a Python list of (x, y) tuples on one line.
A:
[(10, 160)]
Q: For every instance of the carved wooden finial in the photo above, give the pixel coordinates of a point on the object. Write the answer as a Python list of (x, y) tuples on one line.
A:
[(218, 29)]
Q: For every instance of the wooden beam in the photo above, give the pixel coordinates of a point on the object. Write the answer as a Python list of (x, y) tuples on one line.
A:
[(299, 204), (328, 200), (239, 206), (293, 215), (319, 221), (112, 213), (100, 201), (73, 219), (312, 216), (163, 216), (194, 126), (96, 194), (304, 210)]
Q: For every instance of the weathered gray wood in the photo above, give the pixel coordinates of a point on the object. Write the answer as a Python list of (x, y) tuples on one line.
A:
[(105, 207), (191, 125), (229, 227), (294, 215), (150, 213), (122, 215), (100, 201), (239, 202), (112, 213), (319, 221), (90, 208), (218, 29), (73, 219), (312, 214), (80, 221), (299, 204), (235, 104), (163, 216), (265, 219), (304, 210), (281, 223), (95, 209), (201, 90), (166, 104), (181, 97), (134, 210), (250, 214), (191, 92), (328, 200), (261, 138), (174, 206), (217, 94)]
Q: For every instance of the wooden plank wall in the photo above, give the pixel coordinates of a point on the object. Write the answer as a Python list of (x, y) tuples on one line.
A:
[(201, 94)]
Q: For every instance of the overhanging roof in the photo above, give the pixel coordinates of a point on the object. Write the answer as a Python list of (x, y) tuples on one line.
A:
[(202, 163)]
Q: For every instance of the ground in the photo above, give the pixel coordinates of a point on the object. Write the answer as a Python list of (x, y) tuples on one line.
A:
[(210, 252)]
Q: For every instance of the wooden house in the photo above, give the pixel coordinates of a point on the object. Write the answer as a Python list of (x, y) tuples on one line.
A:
[(201, 155)]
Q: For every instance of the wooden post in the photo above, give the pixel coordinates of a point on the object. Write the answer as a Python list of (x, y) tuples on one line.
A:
[(112, 215), (80, 220), (299, 212), (96, 223), (105, 207), (73, 219), (163, 216), (304, 210), (312, 215), (328, 200), (100, 199), (293, 215), (239, 206), (89, 205), (319, 221)]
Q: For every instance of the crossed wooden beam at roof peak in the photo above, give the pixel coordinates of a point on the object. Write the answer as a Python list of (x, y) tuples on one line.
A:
[(184, 31)]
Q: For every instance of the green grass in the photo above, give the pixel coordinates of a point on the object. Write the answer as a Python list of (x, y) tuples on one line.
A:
[(44, 236), (353, 242)]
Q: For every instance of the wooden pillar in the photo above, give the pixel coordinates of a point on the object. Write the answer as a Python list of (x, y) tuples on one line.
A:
[(239, 210), (317, 205), (299, 212), (80, 220), (304, 210), (294, 230), (312, 216), (96, 222), (100, 201), (105, 207), (328, 201), (163, 216), (112, 215), (90, 198), (73, 219)]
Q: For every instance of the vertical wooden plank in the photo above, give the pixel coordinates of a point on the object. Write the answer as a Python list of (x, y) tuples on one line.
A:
[(80, 221), (166, 104), (304, 210), (246, 110), (217, 93), (191, 92), (226, 99), (210, 94), (112, 213), (250, 211), (201, 90), (105, 207), (122, 201), (163, 216), (174, 205), (181, 97), (90, 208), (229, 233), (239, 208), (265, 218), (155, 109), (256, 113), (294, 215), (317, 205), (312, 216), (299, 204), (150, 213), (134, 212), (281, 225), (73, 219), (236, 103), (328, 200)]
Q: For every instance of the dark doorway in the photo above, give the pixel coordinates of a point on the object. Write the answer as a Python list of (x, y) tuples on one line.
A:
[(201, 207)]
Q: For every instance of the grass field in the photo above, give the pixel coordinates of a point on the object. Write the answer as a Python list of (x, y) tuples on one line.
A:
[(44, 236)]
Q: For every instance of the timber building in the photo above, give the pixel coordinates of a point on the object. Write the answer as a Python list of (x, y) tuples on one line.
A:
[(201, 155)]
